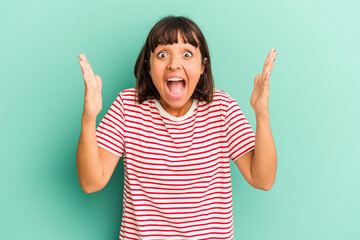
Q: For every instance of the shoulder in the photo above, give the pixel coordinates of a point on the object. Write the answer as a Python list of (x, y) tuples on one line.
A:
[(223, 98), (128, 93), (127, 96), (222, 95)]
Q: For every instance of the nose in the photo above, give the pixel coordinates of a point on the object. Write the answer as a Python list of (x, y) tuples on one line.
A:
[(174, 62)]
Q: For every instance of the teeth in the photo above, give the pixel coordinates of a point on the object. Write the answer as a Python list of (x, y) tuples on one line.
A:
[(175, 79)]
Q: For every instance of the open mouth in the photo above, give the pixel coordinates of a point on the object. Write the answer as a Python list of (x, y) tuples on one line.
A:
[(175, 86)]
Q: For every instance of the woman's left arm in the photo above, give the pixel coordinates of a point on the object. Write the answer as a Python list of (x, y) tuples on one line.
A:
[(264, 160)]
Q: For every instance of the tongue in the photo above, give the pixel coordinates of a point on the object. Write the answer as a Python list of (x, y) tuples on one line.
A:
[(175, 87)]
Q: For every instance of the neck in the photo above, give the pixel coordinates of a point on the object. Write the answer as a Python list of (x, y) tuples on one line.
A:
[(176, 112)]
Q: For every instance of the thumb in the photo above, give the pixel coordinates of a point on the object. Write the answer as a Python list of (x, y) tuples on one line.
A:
[(98, 81)]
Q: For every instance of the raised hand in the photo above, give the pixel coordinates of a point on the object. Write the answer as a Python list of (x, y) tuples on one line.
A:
[(260, 96), (93, 85)]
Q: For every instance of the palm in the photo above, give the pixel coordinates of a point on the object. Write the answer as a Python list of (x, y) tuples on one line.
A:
[(93, 85)]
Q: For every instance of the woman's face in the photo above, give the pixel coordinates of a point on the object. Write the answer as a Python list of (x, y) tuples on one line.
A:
[(175, 71)]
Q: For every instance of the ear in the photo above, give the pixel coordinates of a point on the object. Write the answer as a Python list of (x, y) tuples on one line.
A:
[(203, 65)]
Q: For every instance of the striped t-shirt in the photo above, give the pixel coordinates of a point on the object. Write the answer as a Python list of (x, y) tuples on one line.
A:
[(177, 182)]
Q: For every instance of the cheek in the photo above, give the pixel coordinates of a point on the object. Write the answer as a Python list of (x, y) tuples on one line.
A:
[(154, 73), (157, 69), (194, 71)]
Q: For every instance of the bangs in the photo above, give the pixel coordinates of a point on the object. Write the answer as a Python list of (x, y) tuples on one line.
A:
[(167, 33)]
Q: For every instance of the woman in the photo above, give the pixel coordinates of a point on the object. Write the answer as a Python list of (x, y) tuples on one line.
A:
[(176, 133)]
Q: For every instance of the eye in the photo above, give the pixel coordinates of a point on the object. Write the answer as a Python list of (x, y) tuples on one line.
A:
[(161, 54), (187, 54)]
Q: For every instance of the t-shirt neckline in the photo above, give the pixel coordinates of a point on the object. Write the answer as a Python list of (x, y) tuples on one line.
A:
[(169, 116)]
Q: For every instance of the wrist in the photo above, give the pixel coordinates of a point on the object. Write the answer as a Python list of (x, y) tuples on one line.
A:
[(85, 122), (262, 115)]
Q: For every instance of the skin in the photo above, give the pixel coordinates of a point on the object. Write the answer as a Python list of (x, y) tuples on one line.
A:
[(95, 165), (260, 96), (259, 166), (180, 59)]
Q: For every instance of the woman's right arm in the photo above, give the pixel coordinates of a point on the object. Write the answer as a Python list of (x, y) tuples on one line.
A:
[(95, 165)]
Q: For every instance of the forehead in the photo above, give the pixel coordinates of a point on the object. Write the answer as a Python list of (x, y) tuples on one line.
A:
[(180, 43), (173, 36)]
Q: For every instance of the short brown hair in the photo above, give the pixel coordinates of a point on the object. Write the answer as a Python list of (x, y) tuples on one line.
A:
[(166, 32)]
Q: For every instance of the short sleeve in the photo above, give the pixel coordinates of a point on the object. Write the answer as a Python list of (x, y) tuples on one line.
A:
[(110, 131), (239, 134)]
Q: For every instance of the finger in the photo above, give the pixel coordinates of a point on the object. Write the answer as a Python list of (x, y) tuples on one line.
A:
[(89, 67), (272, 61), (271, 52), (268, 59), (84, 63), (274, 56), (263, 82), (267, 79), (266, 85), (269, 67), (87, 64), (89, 74), (82, 66), (89, 79), (82, 56), (269, 64), (98, 81), (85, 71)]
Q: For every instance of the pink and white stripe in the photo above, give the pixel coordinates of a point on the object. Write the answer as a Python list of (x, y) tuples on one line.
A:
[(177, 182)]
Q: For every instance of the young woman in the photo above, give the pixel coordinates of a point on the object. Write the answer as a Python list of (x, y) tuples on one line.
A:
[(176, 134)]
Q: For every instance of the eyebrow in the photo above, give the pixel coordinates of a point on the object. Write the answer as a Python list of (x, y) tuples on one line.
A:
[(185, 46)]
